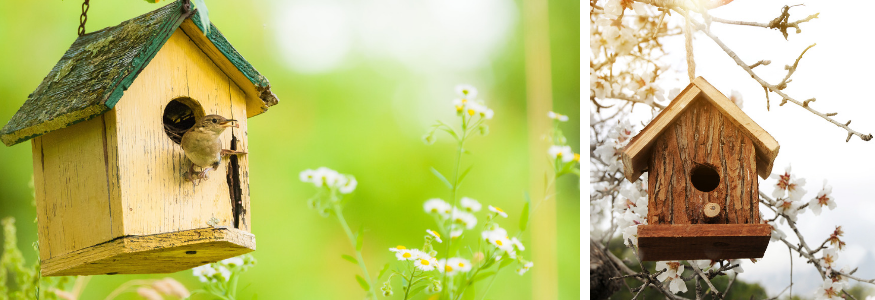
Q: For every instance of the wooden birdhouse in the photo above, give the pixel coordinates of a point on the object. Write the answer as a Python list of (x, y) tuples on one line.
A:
[(702, 155), (108, 171)]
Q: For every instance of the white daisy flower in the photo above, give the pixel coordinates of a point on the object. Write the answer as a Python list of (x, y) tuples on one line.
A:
[(497, 211), (348, 184), (561, 152), (470, 205), (466, 91), (307, 175), (463, 218), (456, 233), (435, 235), (557, 116), (438, 206), (425, 263), (233, 262), (454, 266), (224, 272), (399, 248), (516, 243), (525, 268), (406, 254), (204, 273)]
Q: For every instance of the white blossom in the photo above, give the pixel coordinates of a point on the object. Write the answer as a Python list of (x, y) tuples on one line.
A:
[(736, 98), (563, 153), (672, 274), (525, 268), (438, 206), (557, 116), (466, 91), (435, 235), (787, 182), (829, 291), (823, 198), (470, 205), (829, 257), (498, 211), (425, 262)]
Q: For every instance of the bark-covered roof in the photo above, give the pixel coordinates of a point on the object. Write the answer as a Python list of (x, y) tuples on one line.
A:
[(94, 73)]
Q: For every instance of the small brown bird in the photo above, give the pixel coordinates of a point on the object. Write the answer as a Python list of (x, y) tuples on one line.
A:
[(203, 147)]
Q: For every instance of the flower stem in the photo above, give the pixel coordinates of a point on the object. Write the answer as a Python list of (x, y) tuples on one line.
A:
[(409, 283), (338, 211), (455, 189)]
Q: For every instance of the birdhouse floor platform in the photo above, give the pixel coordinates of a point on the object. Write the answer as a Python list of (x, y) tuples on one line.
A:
[(702, 241), (158, 253)]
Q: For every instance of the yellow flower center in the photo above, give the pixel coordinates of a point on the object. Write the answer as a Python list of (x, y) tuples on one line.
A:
[(400, 247), (406, 255), (498, 242), (448, 268), (424, 262), (435, 233), (498, 209), (576, 156), (461, 265), (471, 112)]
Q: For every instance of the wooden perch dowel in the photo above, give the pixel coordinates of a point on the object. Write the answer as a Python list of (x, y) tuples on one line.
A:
[(712, 210)]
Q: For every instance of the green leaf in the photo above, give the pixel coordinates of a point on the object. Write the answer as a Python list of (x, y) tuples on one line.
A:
[(349, 258), (383, 271), (505, 263), (524, 217), (363, 283), (204, 14), (255, 296), (441, 177), (359, 238), (465, 173), (482, 276), (418, 289)]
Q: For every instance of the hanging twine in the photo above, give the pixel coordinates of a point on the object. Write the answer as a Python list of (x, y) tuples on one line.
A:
[(83, 17), (688, 36)]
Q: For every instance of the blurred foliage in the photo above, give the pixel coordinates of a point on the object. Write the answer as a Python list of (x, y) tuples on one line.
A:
[(740, 289), (17, 280), (364, 118)]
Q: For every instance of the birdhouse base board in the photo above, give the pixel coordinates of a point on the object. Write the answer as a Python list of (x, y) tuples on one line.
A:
[(702, 241), (149, 254)]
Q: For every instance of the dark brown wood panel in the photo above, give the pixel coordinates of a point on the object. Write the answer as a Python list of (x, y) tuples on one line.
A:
[(702, 136), (702, 241)]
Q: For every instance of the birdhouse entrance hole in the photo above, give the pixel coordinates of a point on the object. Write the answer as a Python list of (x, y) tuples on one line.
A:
[(180, 115), (704, 178)]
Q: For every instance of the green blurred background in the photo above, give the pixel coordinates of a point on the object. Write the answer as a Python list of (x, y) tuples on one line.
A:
[(359, 83)]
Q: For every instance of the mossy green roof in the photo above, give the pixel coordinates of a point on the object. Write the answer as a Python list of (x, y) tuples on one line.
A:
[(94, 73)]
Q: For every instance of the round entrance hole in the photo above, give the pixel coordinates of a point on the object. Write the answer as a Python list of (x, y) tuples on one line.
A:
[(180, 115), (704, 178)]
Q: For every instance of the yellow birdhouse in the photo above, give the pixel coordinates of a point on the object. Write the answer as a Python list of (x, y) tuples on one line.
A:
[(105, 126), (703, 155)]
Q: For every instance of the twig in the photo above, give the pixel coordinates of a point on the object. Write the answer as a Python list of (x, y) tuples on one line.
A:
[(774, 89), (713, 289)]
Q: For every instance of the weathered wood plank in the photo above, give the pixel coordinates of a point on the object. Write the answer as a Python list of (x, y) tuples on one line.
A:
[(149, 254), (75, 197), (702, 241), (732, 150), (156, 197)]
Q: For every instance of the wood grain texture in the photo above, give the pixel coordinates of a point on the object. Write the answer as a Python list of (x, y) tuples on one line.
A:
[(73, 189), (702, 137), (253, 104), (713, 241), (149, 254), (636, 154), (155, 196)]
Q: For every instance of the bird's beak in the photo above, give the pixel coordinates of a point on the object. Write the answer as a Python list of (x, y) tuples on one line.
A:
[(230, 123)]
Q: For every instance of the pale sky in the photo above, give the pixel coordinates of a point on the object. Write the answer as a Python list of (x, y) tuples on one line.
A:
[(837, 73)]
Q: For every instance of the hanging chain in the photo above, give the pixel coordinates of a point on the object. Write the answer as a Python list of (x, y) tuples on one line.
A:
[(83, 17)]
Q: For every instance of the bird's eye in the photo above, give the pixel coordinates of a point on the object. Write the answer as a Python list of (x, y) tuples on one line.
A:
[(215, 121)]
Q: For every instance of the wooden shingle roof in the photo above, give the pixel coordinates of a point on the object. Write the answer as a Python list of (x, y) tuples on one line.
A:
[(94, 73), (636, 154)]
